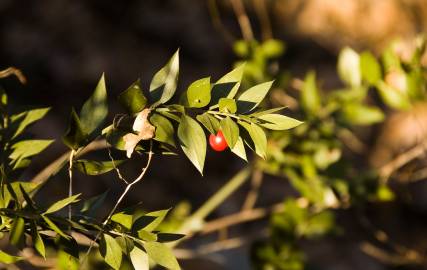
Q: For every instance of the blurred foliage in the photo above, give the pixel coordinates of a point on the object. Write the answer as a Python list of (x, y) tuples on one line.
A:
[(314, 156)]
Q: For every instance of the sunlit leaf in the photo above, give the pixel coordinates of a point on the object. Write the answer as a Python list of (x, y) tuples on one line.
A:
[(162, 255), (227, 105), (164, 129), (92, 167), (258, 138), (193, 141), (55, 228), (95, 110), (28, 148), (139, 259), (164, 82), (38, 241), (252, 97), (62, 203), (27, 118), (278, 122), (310, 97), (8, 259), (349, 67), (230, 130), (199, 93), (209, 122), (17, 235), (227, 86), (111, 251), (239, 149), (370, 68)]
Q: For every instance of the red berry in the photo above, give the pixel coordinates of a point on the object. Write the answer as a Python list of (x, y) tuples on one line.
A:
[(218, 142)]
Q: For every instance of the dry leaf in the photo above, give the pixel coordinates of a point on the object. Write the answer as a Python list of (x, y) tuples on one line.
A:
[(144, 129)]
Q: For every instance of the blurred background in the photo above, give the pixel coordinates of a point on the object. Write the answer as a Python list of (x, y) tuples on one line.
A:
[(63, 47)]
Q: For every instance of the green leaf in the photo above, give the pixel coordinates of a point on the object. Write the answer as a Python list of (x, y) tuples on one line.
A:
[(28, 118), (230, 130), (227, 105), (37, 240), (8, 259), (239, 149), (199, 93), (162, 255), (17, 235), (193, 141), (75, 136), (169, 237), (258, 138), (123, 219), (252, 97), (209, 122), (61, 204), (147, 236), (159, 217), (139, 259), (310, 98), (393, 97), (273, 110), (28, 148), (54, 227), (349, 67), (228, 85), (16, 189), (370, 68), (359, 114), (92, 167), (164, 129), (92, 204), (95, 110), (111, 251), (278, 122), (164, 82), (126, 244), (133, 99), (272, 48)]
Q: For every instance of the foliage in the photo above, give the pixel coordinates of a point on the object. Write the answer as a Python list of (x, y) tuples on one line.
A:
[(151, 125)]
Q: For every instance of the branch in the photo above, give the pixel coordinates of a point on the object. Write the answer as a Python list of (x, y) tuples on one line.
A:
[(13, 71), (243, 20)]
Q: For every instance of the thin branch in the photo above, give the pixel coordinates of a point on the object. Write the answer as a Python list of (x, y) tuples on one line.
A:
[(261, 10), (70, 184), (256, 180), (217, 22), (352, 141), (119, 174), (243, 20), (13, 71), (388, 169)]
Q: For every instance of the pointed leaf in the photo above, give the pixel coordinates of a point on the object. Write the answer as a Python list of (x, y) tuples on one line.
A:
[(252, 97), (193, 141), (228, 85), (159, 217), (54, 227), (258, 138), (349, 67), (28, 118), (17, 235), (95, 110), (164, 82), (209, 122), (28, 148), (370, 68), (92, 167), (37, 240), (310, 97), (230, 130), (133, 99), (164, 129), (139, 259), (111, 251), (123, 219), (199, 93), (227, 105), (94, 203), (8, 259), (162, 255), (278, 122), (75, 136), (62, 203), (239, 149)]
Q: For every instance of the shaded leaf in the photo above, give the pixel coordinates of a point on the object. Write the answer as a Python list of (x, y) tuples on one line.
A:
[(393, 97), (54, 227), (358, 114), (164, 82), (164, 129), (92, 167), (133, 99), (258, 138), (209, 122), (38, 241), (17, 235), (75, 136), (228, 85), (94, 203), (193, 141), (310, 98)]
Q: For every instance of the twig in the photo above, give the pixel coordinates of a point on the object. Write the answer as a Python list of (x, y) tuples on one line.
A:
[(217, 22), (387, 170), (70, 184), (60, 162), (394, 259), (256, 180), (127, 189), (351, 141), (243, 20), (119, 174), (13, 71), (264, 20)]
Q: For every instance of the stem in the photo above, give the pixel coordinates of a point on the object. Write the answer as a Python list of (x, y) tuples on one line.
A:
[(70, 185), (219, 197), (243, 20), (224, 114)]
